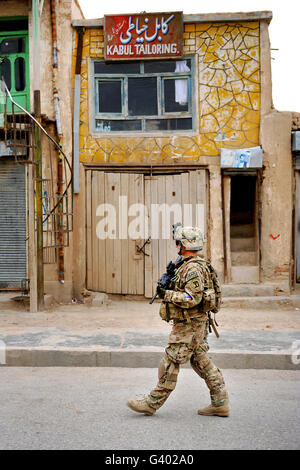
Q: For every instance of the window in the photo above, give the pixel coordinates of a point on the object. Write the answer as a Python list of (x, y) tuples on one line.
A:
[(12, 45), (5, 71), (20, 81), (13, 63), (145, 96)]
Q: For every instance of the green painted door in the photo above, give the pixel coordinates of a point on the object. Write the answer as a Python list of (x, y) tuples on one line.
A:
[(14, 66)]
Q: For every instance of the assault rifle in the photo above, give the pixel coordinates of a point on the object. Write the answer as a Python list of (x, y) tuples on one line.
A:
[(164, 282)]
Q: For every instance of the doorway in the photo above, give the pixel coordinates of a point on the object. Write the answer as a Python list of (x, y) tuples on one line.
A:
[(241, 198)]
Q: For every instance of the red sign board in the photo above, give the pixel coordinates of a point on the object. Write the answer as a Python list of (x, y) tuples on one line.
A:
[(143, 36)]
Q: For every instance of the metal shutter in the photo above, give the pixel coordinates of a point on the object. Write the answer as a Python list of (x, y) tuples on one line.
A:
[(12, 224)]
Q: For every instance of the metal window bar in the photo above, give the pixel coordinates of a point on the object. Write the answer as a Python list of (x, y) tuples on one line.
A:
[(57, 208)]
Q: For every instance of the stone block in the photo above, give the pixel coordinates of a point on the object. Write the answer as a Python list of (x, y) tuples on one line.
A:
[(240, 258), (49, 301), (242, 244), (99, 299), (245, 274)]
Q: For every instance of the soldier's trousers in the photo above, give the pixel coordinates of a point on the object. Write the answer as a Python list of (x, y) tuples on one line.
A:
[(188, 341)]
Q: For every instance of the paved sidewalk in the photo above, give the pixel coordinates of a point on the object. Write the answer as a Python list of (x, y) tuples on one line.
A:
[(128, 333), (129, 339)]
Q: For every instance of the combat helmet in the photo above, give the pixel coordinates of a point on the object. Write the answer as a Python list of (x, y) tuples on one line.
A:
[(191, 238)]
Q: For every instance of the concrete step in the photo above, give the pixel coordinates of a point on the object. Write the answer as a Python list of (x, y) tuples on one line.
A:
[(242, 244), (242, 230), (245, 274), (244, 258), (260, 303), (248, 290)]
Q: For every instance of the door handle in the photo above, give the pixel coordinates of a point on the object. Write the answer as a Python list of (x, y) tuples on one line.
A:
[(140, 249)]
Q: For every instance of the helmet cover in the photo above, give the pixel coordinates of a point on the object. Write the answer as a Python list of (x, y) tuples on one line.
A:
[(191, 238)]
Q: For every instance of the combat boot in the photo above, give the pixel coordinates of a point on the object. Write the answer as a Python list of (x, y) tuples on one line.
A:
[(212, 410), (141, 406)]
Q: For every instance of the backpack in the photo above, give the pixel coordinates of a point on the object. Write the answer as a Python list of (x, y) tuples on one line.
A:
[(212, 293)]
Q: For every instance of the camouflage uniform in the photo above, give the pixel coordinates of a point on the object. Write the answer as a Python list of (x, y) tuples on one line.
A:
[(188, 338)]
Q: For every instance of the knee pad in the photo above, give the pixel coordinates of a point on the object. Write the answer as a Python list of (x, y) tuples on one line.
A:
[(200, 366), (161, 369), (196, 367)]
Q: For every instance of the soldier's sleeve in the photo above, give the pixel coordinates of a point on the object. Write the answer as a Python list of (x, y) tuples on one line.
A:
[(193, 289)]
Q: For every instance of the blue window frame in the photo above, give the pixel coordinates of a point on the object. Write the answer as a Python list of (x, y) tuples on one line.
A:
[(150, 96)]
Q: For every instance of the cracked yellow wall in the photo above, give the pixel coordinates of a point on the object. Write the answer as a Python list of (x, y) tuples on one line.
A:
[(228, 99)]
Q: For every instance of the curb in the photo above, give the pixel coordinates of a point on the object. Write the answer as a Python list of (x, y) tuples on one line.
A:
[(225, 359)]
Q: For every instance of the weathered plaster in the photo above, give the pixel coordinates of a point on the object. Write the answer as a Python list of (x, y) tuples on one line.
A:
[(295, 121), (16, 8), (64, 9), (265, 69), (77, 13), (79, 238), (276, 193), (215, 220)]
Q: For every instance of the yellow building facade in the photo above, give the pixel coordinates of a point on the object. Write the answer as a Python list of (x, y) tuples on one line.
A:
[(228, 97)]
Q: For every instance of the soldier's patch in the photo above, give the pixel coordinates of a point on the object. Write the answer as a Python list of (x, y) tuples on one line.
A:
[(191, 275)]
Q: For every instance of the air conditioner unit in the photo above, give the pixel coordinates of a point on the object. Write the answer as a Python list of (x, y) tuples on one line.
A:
[(296, 141)]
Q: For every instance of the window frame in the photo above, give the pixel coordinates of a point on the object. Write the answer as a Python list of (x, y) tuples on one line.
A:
[(112, 79), (21, 96), (161, 113)]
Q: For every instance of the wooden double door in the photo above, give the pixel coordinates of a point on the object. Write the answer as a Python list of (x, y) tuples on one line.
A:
[(129, 233)]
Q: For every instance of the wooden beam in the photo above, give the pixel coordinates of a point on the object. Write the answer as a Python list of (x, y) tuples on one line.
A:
[(76, 118), (226, 211), (32, 260)]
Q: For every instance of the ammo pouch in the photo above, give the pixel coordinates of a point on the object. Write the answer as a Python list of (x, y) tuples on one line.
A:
[(169, 311), (208, 302), (164, 312)]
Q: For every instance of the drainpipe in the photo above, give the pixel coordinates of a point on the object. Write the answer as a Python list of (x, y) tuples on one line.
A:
[(61, 273), (76, 113)]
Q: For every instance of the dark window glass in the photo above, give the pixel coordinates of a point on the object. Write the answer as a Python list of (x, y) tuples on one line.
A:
[(142, 96), (12, 46), (119, 68), (176, 92), (168, 124), (163, 66), (14, 25), (20, 81), (107, 126), (5, 71), (110, 96)]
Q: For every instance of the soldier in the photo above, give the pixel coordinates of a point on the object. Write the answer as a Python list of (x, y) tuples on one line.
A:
[(186, 303)]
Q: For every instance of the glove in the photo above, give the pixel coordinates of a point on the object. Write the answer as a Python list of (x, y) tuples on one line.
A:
[(161, 291)]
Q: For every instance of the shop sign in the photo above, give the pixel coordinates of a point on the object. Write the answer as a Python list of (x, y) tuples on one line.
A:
[(242, 158), (143, 36)]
